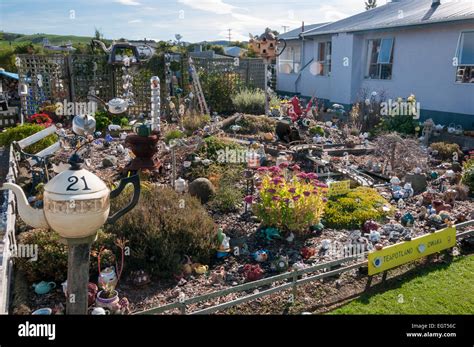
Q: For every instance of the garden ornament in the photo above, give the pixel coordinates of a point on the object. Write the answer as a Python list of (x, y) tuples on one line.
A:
[(395, 181), (219, 276), (200, 269), (108, 279), (270, 234), (374, 236), (44, 287), (266, 44), (114, 106), (140, 54), (252, 272), (325, 244), (370, 225), (43, 311), (99, 311), (308, 252), (83, 125), (407, 219), (261, 255), (280, 264), (76, 202)]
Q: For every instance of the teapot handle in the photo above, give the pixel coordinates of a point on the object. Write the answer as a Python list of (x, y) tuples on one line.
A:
[(135, 180)]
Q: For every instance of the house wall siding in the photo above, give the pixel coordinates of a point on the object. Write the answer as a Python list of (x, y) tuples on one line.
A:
[(422, 64)]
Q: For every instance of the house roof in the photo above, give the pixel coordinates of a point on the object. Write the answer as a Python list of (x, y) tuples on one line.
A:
[(294, 34), (399, 13), (233, 51)]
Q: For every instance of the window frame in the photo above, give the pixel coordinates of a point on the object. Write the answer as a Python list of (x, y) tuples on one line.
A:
[(459, 65), (294, 60), (326, 62), (379, 66)]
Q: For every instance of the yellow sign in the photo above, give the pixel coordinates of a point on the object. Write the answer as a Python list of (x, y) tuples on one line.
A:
[(401, 253), (339, 188)]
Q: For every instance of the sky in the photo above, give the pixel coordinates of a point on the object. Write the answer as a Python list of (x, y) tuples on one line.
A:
[(195, 20)]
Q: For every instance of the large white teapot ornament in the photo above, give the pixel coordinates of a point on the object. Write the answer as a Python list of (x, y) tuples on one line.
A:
[(76, 202)]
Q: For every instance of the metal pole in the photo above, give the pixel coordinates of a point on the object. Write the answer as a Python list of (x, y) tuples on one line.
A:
[(77, 277)]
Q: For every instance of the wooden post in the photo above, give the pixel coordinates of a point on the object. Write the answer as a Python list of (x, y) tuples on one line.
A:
[(266, 88), (78, 275)]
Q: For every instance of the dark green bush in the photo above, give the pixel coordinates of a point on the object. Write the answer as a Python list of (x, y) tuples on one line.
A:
[(102, 120), (23, 131), (51, 264), (228, 196), (404, 124), (162, 228)]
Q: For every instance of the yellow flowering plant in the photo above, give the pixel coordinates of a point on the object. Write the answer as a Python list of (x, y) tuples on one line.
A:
[(292, 202)]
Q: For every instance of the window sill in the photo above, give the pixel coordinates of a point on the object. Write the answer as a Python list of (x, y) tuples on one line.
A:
[(378, 79)]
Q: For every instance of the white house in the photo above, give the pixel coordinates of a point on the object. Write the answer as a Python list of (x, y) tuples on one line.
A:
[(425, 47)]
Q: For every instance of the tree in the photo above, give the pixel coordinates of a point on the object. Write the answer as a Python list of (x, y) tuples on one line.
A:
[(369, 4), (98, 35)]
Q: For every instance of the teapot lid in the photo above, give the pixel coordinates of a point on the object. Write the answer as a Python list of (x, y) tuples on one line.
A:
[(76, 181)]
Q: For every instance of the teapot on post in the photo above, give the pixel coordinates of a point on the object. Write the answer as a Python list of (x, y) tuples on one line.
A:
[(76, 204)]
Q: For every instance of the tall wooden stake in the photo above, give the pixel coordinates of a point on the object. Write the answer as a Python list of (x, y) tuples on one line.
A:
[(267, 108), (77, 276)]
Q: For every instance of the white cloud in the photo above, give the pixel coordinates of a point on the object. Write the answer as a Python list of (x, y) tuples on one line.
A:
[(128, 2), (133, 21), (214, 6), (331, 14)]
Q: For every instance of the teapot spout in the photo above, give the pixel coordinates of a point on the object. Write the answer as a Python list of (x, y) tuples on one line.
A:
[(32, 216)]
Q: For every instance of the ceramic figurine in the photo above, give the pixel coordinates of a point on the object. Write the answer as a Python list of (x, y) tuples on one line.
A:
[(252, 272), (261, 255), (407, 219), (374, 236), (280, 264), (43, 287)]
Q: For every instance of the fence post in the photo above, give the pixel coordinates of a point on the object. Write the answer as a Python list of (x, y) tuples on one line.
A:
[(295, 285), (183, 308), (70, 77)]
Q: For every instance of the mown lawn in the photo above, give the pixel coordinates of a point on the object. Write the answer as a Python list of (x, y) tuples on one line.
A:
[(436, 289)]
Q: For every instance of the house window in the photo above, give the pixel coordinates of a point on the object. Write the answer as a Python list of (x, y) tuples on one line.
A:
[(465, 58), (380, 59), (324, 58), (290, 60)]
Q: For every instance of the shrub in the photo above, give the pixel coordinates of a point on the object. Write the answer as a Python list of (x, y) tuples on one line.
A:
[(51, 264), (41, 119), (228, 196), (289, 203), (194, 122), (215, 173), (255, 124), (214, 145), (23, 131), (102, 120), (252, 101), (162, 228), (468, 175), (173, 134), (445, 150), (351, 210), (317, 130)]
